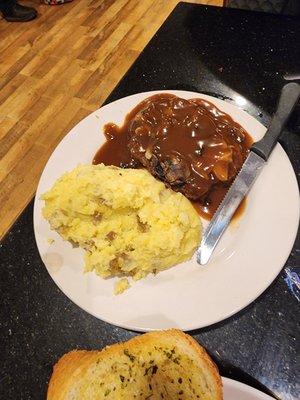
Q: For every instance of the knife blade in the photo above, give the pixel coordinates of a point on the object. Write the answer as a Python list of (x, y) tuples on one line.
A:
[(254, 163), (222, 217)]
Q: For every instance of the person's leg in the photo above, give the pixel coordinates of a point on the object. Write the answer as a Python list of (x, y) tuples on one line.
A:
[(12, 11)]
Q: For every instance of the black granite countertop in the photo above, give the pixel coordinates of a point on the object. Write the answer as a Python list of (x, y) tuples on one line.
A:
[(221, 52)]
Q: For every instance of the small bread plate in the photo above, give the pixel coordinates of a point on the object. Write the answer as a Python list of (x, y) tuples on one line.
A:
[(234, 390), (247, 259)]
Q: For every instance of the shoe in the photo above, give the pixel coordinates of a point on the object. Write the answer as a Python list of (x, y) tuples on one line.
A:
[(15, 12)]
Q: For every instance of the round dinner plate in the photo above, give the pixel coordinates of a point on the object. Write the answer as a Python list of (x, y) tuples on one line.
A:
[(247, 259), (234, 390)]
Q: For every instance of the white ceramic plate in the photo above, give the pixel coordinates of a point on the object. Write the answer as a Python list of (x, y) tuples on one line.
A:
[(234, 390), (188, 296)]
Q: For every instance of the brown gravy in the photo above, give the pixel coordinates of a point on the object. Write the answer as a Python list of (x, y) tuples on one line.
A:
[(189, 144)]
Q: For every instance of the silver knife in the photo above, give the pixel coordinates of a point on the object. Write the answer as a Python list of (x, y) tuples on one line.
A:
[(254, 163)]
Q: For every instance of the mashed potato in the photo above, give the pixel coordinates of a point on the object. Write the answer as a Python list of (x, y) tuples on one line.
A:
[(122, 285), (127, 221)]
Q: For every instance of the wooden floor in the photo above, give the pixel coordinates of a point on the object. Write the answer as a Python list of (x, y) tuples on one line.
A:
[(54, 71)]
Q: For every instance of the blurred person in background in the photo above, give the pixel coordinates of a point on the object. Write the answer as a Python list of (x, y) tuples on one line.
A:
[(13, 11)]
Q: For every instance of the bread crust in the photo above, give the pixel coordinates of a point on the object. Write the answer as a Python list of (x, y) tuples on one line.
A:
[(75, 364)]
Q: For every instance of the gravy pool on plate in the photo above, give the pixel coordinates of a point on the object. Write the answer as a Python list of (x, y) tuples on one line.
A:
[(190, 145)]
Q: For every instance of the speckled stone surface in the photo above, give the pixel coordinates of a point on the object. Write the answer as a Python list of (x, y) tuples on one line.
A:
[(223, 52)]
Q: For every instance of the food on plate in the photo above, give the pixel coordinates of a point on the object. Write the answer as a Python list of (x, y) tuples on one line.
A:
[(190, 145), (165, 365), (122, 285), (128, 222)]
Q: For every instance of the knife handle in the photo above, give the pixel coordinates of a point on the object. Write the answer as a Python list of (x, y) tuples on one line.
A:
[(287, 101)]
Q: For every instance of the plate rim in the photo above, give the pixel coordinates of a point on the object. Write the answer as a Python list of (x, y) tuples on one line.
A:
[(246, 388)]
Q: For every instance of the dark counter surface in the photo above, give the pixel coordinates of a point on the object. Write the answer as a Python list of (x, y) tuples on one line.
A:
[(221, 52)]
